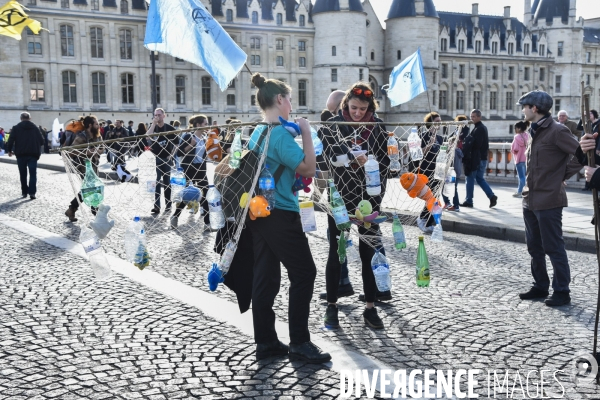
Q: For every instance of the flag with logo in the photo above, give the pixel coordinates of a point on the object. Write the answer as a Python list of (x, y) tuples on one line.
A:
[(407, 80), (13, 20), (186, 30)]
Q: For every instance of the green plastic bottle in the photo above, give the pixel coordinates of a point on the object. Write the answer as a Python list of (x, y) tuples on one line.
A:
[(422, 265), (338, 208), (92, 188), (398, 232)]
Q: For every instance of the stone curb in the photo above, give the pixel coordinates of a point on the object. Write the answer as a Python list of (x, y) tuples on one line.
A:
[(61, 168)]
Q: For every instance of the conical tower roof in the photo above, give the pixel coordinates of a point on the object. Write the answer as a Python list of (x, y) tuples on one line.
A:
[(334, 5), (549, 9), (406, 8)]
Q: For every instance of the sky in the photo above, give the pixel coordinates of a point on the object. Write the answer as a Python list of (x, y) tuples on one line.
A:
[(585, 8)]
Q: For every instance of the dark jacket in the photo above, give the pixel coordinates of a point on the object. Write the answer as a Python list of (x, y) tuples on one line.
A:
[(475, 147), (25, 140), (193, 171), (548, 165)]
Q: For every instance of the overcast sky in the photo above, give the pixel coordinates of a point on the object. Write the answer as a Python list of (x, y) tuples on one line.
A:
[(585, 8)]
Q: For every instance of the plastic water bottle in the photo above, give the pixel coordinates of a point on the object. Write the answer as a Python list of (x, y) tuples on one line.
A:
[(236, 150), (449, 183), (381, 270), (338, 208), (227, 257), (147, 174), (266, 186), (95, 253), (141, 258), (440, 164), (177, 185), (215, 213), (352, 255), (317, 144), (437, 235), (414, 145), (131, 238), (422, 265), (92, 188), (393, 154), (372, 176), (398, 232)]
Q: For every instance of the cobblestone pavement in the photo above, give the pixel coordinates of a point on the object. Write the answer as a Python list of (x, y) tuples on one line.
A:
[(470, 317)]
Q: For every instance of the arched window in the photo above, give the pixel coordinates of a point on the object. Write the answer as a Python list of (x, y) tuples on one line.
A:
[(206, 90), (302, 20), (279, 19), (255, 17), (279, 44), (36, 85), (127, 88), (69, 87), (333, 51), (374, 86), (372, 56), (124, 7), (98, 88), (34, 45), (229, 15), (125, 44), (67, 46), (180, 89), (97, 42)]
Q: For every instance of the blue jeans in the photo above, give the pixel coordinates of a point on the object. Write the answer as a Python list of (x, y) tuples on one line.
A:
[(24, 163), (478, 176), (521, 172), (163, 178)]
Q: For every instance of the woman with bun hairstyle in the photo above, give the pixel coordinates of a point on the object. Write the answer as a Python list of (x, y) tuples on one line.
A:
[(278, 238), (358, 105), (519, 151)]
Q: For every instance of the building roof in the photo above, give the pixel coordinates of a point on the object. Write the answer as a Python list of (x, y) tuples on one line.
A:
[(406, 8), (138, 4), (266, 7), (334, 5), (591, 35), (548, 9)]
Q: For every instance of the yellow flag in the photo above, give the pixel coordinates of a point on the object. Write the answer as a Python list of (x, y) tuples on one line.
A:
[(13, 20)]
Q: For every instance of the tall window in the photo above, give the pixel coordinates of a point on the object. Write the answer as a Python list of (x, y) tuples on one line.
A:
[(526, 73), (559, 49), (231, 99), (255, 43), (460, 100), (301, 45), (526, 49), (557, 82), (434, 78), (180, 89), (302, 62), (34, 45), (399, 55), (461, 46), (556, 106), (511, 48), (124, 7), (302, 93), (461, 71), (443, 97), (302, 20), (279, 44), (494, 47), (509, 101), (493, 100), (588, 79), (478, 47), (443, 44), (253, 100), (255, 60), (255, 17), (333, 51), (229, 15), (157, 88), (444, 70), (127, 88), (98, 88), (511, 73), (97, 42), (67, 46), (333, 74), (279, 61), (542, 50), (69, 87), (64, 4), (125, 44), (279, 19), (95, 5), (477, 99), (494, 72), (360, 74), (206, 90), (542, 74), (36, 85), (372, 56), (478, 72), (360, 51)]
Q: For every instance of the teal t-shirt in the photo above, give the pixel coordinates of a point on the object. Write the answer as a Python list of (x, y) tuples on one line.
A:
[(282, 150)]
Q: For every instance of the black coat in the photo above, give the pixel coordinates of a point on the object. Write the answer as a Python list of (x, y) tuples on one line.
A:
[(25, 140), (475, 144)]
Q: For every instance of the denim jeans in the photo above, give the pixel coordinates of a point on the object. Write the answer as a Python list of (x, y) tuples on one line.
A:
[(478, 176), (521, 172), (24, 163), (163, 177)]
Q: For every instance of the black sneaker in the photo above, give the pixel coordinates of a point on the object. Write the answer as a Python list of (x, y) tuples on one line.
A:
[(379, 296), (343, 291), (372, 319), (32, 197), (331, 317), (534, 293), (155, 210), (558, 299), (308, 352), (465, 204), (273, 349), (24, 195), (493, 201)]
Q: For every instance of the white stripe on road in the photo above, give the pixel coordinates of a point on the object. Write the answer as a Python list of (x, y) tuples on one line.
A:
[(213, 306)]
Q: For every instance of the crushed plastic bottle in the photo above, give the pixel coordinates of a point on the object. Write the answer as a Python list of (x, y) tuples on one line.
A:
[(393, 153), (147, 174), (338, 208), (93, 249), (266, 186), (414, 145), (215, 212), (317, 144), (372, 176), (398, 232), (381, 270), (177, 185), (440, 164), (236, 150), (92, 188), (449, 183)]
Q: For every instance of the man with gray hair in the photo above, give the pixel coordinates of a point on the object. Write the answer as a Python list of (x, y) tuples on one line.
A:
[(25, 142), (563, 119)]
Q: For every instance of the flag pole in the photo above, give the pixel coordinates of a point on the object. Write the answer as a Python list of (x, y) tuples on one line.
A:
[(246, 65), (153, 82)]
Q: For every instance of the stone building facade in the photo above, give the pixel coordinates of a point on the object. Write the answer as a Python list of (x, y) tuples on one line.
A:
[(92, 59)]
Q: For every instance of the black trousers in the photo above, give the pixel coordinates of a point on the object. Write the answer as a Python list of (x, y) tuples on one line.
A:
[(334, 268), (196, 174), (25, 163), (278, 238)]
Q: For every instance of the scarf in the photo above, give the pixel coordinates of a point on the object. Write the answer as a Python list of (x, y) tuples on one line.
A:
[(536, 125), (365, 130)]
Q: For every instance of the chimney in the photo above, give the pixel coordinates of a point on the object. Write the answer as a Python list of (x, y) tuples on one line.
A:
[(572, 8), (344, 5), (475, 15), (507, 17), (420, 7), (527, 13)]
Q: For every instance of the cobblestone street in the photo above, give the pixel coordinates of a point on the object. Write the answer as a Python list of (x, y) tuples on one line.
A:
[(65, 335)]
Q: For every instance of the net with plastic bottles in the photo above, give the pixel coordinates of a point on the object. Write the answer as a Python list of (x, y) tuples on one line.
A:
[(413, 160)]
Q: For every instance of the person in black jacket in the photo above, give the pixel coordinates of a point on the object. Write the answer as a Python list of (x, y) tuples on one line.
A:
[(358, 105), (25, 142)]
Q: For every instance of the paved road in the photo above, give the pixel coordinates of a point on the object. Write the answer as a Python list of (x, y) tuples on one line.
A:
[(64, 335)]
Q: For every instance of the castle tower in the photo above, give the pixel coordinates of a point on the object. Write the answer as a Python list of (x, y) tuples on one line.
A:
[(412, 24), (340, 47)]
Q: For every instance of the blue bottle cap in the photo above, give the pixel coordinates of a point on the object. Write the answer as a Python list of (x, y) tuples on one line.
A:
[(180, 169), (136, 219)]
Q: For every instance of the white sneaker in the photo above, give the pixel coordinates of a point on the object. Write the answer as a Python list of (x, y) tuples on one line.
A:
[(421, 224), (123, 174), (174, 221)]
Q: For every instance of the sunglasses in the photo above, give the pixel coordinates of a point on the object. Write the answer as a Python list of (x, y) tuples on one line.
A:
[(364, 92)]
